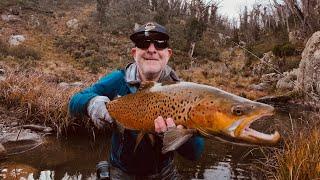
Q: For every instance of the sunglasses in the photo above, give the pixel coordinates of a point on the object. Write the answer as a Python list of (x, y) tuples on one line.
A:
[(158, 44)]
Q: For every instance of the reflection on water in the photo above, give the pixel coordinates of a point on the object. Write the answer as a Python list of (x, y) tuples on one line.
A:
[(76, 157)]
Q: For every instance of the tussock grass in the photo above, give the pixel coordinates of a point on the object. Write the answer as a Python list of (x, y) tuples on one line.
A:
[(300, 156), (20, 51), (37, 98)]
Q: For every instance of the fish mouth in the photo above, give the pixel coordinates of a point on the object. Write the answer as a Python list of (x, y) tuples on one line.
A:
[(241, 130)]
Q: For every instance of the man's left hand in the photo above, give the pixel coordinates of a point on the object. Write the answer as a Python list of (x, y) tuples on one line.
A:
[(161, 125)]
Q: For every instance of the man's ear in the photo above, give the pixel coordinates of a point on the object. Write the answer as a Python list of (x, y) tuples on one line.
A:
[(133, 52), (170, 52)]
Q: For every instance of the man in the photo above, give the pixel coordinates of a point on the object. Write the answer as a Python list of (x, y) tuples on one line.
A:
[(151, 54)]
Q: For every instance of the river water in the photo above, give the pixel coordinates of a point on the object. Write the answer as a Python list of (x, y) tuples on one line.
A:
[(76, 157)]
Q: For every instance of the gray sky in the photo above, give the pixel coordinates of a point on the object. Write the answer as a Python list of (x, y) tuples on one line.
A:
[(232, 8)]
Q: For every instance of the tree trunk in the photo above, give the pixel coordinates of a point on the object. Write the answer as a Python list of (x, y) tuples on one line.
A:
[(191, 50)]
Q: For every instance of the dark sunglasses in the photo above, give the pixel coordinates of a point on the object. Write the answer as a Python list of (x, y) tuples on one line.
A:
[(158, 44)]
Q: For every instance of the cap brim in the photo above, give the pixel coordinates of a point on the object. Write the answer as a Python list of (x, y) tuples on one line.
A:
[(149, 35)]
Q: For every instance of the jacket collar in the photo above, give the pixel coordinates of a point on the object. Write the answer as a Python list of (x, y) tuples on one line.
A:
[(132, 75)]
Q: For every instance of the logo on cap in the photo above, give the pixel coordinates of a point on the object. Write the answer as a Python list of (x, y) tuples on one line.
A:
[(149, 27)]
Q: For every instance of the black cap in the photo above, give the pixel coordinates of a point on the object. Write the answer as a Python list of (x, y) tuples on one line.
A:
[(150, 29)]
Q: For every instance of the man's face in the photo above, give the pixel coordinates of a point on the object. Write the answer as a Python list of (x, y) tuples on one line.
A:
[(151, 60)]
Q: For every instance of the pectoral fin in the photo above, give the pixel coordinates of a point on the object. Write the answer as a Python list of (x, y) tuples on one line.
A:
[(175, 137)]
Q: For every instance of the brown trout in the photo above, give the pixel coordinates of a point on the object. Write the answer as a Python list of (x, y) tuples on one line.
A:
[(201, 109)]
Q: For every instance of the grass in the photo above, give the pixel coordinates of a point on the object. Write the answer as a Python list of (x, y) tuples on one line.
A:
[(299, 158), (37, 98)]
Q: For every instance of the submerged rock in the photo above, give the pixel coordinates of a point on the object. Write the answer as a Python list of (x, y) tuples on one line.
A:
[(19, 142)]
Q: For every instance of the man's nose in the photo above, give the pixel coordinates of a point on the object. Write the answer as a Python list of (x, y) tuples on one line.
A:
[(151, 48)]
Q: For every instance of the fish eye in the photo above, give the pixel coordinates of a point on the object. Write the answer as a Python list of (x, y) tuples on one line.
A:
[(237, 110)]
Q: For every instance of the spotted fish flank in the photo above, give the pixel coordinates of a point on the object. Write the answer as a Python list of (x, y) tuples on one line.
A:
[(199, 108)]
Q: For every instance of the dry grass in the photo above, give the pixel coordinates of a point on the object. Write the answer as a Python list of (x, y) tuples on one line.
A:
[(37, 98), (300, 156)]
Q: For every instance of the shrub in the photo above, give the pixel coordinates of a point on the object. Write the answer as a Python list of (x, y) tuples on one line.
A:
[(286, 49), (94, 63), (4, 48), (24, 52)]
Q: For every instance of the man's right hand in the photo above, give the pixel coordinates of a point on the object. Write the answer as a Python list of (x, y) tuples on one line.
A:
[(98, 112)]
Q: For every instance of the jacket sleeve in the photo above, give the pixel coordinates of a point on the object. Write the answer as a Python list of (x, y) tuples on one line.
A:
[(109, 85), (192, 149)]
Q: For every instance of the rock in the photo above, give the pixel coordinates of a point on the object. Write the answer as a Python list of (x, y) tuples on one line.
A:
[(19, 142), (2, 75), (16, 40), (242, 43), (2, 72), (76, 84), (274, 99), (288, 81), (13, 124), (2, 78), (296, 37), (34, 21), (38, 128), (136, 26), (73, 24), (262, 68), (308, 79), (3, 151), (270, 78), (65, 85), (258, 87), (10, 18)]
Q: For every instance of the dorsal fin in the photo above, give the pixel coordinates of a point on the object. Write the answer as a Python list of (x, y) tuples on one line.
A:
[(146, 85), (169, 82)]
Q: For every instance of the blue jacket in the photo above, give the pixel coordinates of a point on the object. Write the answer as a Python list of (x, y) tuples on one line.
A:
[(147, 159)]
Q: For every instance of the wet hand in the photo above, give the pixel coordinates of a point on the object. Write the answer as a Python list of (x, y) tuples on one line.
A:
[(161, 125)]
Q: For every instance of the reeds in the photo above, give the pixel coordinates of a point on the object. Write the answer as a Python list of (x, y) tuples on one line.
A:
[(37, 98), (300, 156)]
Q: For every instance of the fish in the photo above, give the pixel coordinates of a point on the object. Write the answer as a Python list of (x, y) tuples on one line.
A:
[(201, 109)]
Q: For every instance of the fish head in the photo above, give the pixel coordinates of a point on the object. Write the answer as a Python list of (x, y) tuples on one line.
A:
[(229, 118)]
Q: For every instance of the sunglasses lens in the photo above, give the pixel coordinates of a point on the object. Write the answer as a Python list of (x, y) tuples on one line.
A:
[(144, 44), (158, 44)]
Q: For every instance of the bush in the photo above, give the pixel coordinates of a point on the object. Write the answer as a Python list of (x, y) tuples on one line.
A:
[(286, 49), (94, 63), (4, 48), (24, 52)]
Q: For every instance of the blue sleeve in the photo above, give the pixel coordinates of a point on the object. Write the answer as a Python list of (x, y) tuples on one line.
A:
[(192, 149), (109, 85)]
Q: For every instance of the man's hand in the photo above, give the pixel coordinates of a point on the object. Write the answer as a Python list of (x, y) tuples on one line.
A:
[(98, 112), (161, 125)]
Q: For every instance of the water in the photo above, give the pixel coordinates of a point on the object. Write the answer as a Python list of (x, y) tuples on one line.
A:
[(76, 157)]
